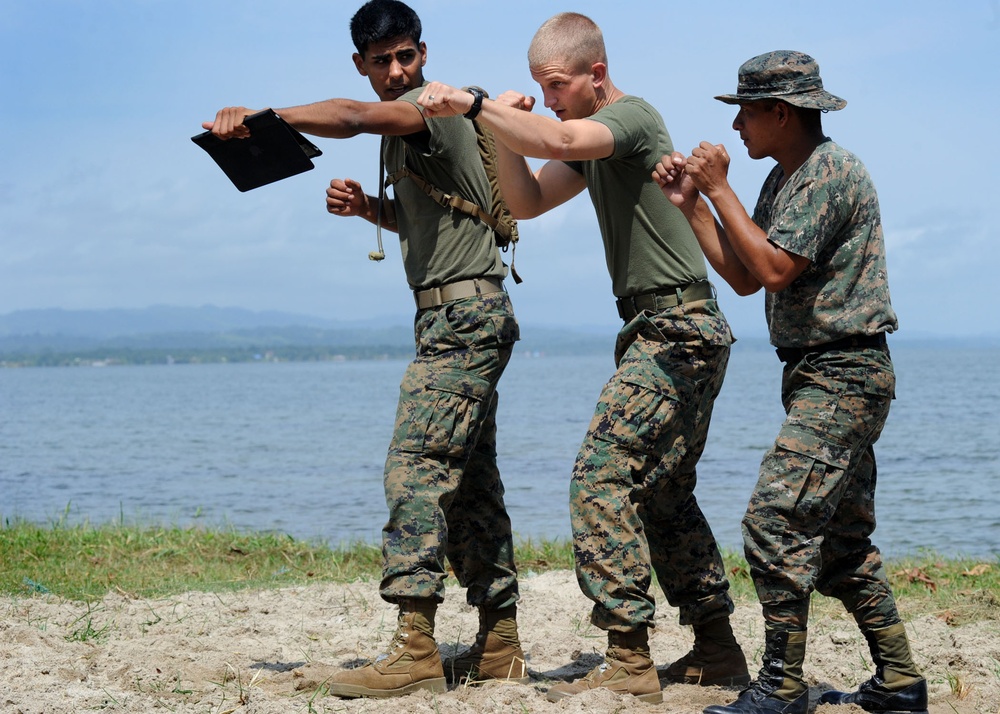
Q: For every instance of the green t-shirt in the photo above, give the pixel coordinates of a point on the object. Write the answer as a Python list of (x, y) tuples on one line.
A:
[(648, 243), (827, 212), (442, 245)]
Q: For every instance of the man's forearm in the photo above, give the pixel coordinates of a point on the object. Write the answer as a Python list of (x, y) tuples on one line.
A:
[(771, 267), (331, 119), (344, 118), (718, 251), (524, 133)]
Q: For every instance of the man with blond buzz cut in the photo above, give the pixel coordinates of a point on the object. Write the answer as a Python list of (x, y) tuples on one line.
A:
[(632, 500)]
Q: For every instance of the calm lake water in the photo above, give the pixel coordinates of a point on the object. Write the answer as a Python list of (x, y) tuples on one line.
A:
[(299, 447)]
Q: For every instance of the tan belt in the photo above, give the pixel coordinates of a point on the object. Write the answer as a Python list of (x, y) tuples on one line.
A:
[(629, 307), (432, 297)]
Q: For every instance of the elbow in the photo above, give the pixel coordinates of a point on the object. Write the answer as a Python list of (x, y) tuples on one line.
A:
[(745, 288), (775, 283), (522, 213), (557, 148), (743, 283)]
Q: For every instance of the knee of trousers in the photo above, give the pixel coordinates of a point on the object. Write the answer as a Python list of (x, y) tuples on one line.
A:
[(783, 566)]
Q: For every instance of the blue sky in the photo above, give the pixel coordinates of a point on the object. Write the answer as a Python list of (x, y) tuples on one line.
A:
[(106, 203)]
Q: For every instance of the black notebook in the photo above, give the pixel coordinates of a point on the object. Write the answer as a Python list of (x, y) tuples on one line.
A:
[(273, 151)]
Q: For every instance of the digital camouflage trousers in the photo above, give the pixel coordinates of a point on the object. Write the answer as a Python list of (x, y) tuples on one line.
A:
[(812, 512), (632, 501), (442, 484)]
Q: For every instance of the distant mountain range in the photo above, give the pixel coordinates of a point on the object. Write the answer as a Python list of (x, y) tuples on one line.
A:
[(157, 319), (236, 330), (28, 332)]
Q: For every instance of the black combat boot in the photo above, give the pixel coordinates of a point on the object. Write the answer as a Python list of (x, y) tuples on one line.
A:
[(779, 688), (897, 687)]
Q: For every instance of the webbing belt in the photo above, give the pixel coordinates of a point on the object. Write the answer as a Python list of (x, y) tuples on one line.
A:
[(432, 297), (629, 307), (795, 354)]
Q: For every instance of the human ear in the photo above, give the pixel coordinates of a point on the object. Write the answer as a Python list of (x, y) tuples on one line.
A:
[(359, 63), (598, 72)]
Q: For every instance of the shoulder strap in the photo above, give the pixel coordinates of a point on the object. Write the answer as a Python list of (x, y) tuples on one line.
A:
[(446, 200), (498, 217)]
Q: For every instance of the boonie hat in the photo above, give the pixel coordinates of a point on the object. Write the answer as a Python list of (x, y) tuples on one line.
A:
[(787, 75)]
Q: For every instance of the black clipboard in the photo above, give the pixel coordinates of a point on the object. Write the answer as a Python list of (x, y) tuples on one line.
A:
[(273, 151)]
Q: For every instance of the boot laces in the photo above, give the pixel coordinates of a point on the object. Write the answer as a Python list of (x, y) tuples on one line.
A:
[(398, 643), (596, 673)]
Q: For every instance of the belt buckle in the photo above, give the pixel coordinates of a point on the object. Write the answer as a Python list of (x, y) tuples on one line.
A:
[(432, 294)]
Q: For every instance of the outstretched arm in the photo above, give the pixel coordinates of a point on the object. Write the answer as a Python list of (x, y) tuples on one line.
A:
[(773, 267), (525, 134), (531, 194), (332, 119)]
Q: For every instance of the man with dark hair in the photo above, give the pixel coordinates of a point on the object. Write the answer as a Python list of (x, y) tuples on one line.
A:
[(442, 484), (815, 245), (632, 501)]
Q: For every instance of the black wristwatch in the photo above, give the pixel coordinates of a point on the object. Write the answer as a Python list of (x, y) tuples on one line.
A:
[(477, 102)]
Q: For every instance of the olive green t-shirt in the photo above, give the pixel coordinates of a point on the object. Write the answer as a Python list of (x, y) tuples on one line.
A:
[(441, 245), (648, 242), (827, 211)]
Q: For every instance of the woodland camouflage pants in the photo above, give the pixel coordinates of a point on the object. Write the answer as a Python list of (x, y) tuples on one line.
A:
[(442, 485), (812, 512), (632, 501)]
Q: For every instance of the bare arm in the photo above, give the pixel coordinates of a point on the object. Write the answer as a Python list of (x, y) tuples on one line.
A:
[(773, 267), (332, 119), (531, 194), (679, 188), (524, 133)]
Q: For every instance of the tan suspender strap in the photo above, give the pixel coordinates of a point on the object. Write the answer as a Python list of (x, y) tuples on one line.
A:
[(448, 200), (432, 297)]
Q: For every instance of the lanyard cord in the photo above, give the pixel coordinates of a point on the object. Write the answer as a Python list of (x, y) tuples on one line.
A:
[(380, 253)]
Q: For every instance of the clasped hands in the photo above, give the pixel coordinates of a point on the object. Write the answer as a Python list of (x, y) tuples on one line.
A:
[(681, 177)]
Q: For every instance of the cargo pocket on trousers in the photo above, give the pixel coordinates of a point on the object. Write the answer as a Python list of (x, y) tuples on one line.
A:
[(816, 466), (446, 415), (641, 409), (506, 329)]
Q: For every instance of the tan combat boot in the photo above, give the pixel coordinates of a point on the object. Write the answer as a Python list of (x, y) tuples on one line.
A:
[(412, 662), (496, 654), (715, 660), (627, 669)]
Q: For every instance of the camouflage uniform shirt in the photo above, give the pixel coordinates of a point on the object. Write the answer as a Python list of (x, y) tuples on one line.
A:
[(827, 212)]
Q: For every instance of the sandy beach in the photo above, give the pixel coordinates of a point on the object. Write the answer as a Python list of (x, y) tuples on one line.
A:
[(265, 652)]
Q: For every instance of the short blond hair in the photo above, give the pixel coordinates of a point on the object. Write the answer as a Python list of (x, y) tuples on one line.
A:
[(568, 37)]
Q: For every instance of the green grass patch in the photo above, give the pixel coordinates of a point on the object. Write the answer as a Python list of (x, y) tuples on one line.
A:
[(85, 562)]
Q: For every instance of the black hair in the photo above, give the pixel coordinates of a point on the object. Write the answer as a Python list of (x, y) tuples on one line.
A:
[(810, 118), (381, 20)]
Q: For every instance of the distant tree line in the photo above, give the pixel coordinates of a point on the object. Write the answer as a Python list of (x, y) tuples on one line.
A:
[(131, 356)]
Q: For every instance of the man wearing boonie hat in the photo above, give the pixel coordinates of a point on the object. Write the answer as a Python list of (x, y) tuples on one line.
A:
[(815, 244)]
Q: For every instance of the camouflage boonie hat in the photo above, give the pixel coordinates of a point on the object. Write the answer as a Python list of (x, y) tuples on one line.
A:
[(790, 76)]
